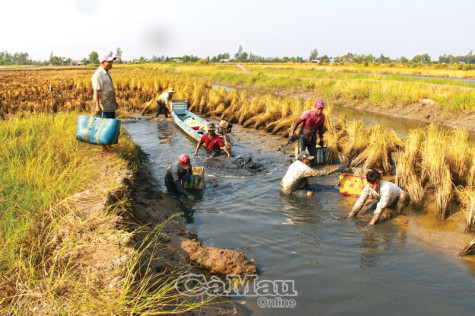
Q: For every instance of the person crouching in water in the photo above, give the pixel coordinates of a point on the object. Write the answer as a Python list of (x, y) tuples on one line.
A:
[(224, 128), (295, 181), (213, 142), (386, 194), (174, 175)]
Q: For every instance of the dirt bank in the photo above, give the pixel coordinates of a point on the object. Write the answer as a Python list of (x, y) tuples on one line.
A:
[(424, 111), (151, 207), (447, 236), (106, 217)]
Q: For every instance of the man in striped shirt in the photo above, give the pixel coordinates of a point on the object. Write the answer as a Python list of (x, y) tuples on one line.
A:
[(384, 192), (295, 181), (104, 92)]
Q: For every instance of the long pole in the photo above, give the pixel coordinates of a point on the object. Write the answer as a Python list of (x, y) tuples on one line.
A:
[(51, 94)]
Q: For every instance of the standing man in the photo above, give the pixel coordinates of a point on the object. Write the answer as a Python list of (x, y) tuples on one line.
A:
[(384, 192), (213, 142), (295, 181), (174, 175), (104, 93), (312, 122), (164, 102)]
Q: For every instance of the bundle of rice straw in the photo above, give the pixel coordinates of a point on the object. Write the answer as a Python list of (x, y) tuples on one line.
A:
[(377, 154), (466, 196), (354, 140), (458, 154), (408, 166)]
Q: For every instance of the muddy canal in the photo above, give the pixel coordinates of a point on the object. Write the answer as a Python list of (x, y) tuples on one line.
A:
[(338, 266)]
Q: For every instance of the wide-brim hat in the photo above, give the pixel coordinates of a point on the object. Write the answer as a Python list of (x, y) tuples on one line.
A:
[(171, 90), (211, 126), (223, 124), (305, 155)]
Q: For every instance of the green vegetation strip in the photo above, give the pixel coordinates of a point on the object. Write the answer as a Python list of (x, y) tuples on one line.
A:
[(341, 87), (41, 163)]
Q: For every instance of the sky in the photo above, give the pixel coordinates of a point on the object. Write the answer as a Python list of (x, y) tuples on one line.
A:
[(268, 28)]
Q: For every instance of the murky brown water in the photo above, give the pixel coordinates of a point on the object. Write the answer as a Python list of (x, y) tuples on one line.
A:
[(338, 265)]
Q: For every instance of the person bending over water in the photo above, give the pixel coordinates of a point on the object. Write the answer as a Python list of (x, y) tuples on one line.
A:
[(174, 175), (385, 193), (295, 181)]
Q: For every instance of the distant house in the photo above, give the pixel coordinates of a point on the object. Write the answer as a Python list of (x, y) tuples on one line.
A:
[(75, 62), (177, 60), (334, 61), (224, 60), (316, 61)]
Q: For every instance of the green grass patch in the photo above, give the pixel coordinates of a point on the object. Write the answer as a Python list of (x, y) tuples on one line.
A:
[(41, 162), (373, 85)]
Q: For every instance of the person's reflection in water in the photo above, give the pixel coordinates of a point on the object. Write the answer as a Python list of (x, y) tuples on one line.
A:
[(164, 134), (374, 242), (187, 207), (187, 211), (299, 211)]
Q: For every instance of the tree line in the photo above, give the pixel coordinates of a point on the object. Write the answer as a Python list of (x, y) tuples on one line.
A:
[(22, 58)]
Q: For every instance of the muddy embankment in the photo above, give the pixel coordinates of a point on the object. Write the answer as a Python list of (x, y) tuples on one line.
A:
[(152, 206), (175, 249), (424, 111)]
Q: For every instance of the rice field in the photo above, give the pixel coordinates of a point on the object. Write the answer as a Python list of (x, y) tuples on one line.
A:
[(420, 166), (343, 85), (435, 166)]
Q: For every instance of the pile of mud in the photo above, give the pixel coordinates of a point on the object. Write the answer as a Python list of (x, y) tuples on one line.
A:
[(240, 166)]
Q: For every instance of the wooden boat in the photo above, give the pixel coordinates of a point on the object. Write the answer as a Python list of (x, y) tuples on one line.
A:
[(193, 125)]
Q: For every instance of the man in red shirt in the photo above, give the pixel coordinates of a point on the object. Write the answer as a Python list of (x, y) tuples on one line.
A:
[(213, 142), (312, 122)]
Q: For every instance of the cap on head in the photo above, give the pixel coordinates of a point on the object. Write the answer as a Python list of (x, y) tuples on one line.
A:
[(171, 90), (305, 155), (319, 104), (184, 161), (223, 124), (107, 57), (211, 126)]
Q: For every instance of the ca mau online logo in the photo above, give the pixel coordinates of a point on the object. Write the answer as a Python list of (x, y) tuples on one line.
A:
[(234, 285)]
